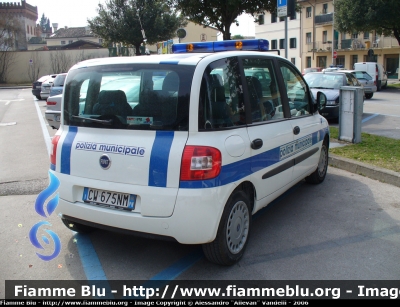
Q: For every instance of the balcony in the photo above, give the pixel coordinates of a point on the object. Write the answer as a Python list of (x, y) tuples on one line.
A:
[(324, 19), (353, 44), (320, 46)]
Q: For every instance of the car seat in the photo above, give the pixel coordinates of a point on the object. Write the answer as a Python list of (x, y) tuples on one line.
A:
[(112, 103)]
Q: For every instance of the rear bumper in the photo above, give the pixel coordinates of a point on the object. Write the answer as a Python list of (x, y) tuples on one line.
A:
[(369, 89), (330, 112), (194, 220), (44, 95), (53, 118)]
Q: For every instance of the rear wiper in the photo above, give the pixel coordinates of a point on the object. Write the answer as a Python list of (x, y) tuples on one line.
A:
[(108, 122)]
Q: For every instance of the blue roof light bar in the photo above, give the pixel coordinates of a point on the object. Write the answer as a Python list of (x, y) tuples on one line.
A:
[(245, 44)]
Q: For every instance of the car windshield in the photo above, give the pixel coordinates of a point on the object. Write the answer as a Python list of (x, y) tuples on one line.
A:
[(324, 81), (140, 97)]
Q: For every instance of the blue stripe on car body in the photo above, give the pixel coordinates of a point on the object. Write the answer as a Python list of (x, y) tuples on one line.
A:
[(66, 150), (238, 170), (158, 168)]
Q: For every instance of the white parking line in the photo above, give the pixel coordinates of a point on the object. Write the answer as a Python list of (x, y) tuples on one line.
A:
[(46, 135)]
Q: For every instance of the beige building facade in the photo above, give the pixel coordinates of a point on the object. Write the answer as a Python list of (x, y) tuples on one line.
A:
[(272, 28), (320, 43), (194, 33)]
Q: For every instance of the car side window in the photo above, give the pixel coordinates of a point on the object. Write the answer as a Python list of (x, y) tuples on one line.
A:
[(296, 91), (263, 93), (221, 100)]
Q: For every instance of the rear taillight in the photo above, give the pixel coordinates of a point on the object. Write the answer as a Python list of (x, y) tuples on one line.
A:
[(53, 153), (376, 74), (200, 163), (51, 103)]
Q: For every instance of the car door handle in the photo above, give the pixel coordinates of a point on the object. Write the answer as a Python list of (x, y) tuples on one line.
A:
[(296, 130), (257, 144)]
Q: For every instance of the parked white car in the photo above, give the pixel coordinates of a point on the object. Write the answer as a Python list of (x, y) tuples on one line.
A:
[(186, 145), (53, 111), (377, 72)]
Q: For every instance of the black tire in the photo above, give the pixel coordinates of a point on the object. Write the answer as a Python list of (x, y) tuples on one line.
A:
[(369, 95), (233, 231), (77, 226), (38, 97), (379, 86), (320, 173), (384, 86)]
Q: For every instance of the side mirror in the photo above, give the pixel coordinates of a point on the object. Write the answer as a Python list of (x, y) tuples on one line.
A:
[(321, 101)]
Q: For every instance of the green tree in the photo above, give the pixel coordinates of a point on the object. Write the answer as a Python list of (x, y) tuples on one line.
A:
[(221, 14), (238, 36), (43, 22), (122, 21), (381, 16), (10, 35)]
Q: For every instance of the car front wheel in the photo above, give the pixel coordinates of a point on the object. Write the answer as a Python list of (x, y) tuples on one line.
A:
[(233, 232), (320, 173), (369, 95)]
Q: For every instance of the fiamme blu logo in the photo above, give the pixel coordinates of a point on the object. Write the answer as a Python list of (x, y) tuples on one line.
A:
[(36, 234)]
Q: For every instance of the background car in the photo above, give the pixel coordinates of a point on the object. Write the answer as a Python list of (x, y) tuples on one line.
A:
[(333, 68), (311, 69), (58, 84), (329, 83), (37, 86), (45, 88), (377, 72), (53, 111), (366, 80)]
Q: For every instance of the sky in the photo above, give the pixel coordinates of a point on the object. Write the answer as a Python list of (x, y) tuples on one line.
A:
[(74, 13)]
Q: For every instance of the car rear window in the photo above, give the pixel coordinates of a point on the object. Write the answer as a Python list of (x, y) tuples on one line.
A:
[(59, 80), (140, 97)]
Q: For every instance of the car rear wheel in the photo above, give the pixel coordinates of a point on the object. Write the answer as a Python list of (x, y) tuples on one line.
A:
[(77, 226), (369, 95), (320, 173), (233, 232), (379, 86)]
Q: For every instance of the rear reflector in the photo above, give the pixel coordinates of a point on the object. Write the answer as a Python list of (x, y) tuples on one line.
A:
[(53, 152)]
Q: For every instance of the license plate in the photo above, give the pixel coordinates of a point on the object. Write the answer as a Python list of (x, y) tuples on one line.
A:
[(110, 198)]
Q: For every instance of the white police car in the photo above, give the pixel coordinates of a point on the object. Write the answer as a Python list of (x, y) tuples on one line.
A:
[(186, 145)]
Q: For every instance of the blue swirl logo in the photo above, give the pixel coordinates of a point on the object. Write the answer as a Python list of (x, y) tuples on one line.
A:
[(46, 211), (36, 243)]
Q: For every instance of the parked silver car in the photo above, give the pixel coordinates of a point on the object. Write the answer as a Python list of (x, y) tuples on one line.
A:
[(45, 88), (329, 83), (58, 84), (53, 111), (366, 81)]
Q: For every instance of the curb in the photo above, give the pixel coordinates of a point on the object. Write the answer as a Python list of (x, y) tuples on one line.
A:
[(367, 170), (15, 87)]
